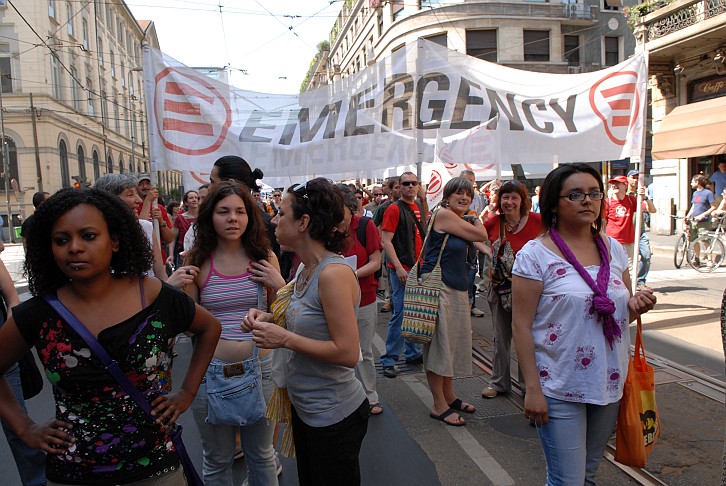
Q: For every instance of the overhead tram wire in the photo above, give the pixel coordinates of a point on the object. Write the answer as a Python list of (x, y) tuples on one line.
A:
[(224, 35), (65, 68)]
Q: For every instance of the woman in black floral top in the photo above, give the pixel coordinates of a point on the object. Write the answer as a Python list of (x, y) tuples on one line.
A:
[(85, 247)]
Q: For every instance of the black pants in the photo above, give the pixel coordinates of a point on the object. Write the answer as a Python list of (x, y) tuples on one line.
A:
[(328, 456)]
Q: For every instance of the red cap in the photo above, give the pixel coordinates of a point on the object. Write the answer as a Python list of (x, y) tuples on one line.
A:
[(620, 178)]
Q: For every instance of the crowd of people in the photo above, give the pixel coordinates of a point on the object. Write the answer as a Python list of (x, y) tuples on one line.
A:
[(282, 295)]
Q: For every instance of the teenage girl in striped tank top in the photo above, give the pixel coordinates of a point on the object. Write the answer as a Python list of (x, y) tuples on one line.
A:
[(230, 235)]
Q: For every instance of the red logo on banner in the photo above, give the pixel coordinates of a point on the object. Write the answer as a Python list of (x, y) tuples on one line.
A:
[(192, 117), (202, 178), (435, 183), (618, 94)]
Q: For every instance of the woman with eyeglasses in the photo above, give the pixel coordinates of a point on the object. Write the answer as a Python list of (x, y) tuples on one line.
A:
[(329, 405), (510, 226), (571, 290)]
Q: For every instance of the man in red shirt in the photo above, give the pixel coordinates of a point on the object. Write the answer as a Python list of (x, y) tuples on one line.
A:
[(402, 233), (149, 211), (620, 209)]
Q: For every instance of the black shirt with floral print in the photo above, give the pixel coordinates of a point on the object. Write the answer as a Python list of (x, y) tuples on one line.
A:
[(116, 442)]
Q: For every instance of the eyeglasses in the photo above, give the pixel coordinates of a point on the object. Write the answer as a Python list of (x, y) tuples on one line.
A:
[(375, 194), (409, 183), (580, 196)]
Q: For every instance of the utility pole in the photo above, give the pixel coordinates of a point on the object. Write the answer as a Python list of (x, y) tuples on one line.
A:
[(37, 150), (6, 167)]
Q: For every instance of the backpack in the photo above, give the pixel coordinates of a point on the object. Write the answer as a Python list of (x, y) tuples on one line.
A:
[(361, 234)]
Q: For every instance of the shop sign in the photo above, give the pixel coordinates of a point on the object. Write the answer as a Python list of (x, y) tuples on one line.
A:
[(707, 88)]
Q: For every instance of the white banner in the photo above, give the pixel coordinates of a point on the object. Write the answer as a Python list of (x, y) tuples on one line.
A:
[(382, 116)]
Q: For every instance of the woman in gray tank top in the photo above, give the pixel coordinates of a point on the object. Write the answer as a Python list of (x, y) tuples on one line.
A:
[(329, 405)]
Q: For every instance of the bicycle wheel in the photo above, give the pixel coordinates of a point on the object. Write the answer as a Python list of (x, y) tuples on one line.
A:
[(710, 253), (680, 253)]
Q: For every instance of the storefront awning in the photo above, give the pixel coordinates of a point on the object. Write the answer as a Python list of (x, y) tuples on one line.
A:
[(692, 130)]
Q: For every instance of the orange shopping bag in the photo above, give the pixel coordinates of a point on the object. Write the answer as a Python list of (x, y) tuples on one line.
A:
[(638, 424)]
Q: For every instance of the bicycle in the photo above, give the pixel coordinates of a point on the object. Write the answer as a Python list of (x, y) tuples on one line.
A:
[(683, 243), (711, 251)]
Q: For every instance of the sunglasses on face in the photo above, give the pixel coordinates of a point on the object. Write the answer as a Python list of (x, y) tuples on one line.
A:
[(409, 183)]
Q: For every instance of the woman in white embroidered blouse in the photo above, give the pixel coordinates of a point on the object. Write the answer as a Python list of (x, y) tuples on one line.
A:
[(572, 338)]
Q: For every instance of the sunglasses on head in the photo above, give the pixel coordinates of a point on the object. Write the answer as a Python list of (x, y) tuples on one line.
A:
[(409, 183)]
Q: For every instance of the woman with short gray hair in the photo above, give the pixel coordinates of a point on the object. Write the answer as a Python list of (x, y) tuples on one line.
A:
[(124, 186)]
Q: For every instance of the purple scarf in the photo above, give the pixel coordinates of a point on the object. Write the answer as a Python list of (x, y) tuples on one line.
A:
[(602, 303)]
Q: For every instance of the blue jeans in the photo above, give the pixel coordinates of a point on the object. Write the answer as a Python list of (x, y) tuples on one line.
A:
[(218, 441), (644, 265), (394, 340), (574, 440), (30, 462)]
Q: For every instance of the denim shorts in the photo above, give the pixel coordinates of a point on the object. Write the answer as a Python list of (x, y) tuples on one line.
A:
[(237, 400)]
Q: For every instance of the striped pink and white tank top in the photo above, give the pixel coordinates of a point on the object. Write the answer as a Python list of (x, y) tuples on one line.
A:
[(229, 298)]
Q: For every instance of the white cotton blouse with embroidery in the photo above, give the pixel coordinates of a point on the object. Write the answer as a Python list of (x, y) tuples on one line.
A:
[(574, 359)]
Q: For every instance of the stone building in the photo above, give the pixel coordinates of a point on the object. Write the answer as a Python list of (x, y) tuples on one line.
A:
[(72, 95), (686, 42)]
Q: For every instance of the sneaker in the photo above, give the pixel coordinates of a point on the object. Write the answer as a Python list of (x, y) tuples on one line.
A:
[(390, 371), (477, 312), (386, 308), (489, 392), (381, 294)]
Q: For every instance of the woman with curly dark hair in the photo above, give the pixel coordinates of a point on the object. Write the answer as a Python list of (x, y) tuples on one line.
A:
[(230, 237), (329, 405), (89, 252)]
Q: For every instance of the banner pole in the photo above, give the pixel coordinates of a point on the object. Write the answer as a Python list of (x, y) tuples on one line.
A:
[(641, 174), (417, 113)]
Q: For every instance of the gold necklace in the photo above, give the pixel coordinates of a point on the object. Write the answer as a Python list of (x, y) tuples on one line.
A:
[(309, 271)]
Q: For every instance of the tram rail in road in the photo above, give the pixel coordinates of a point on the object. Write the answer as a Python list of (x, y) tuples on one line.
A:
[(703, 384)]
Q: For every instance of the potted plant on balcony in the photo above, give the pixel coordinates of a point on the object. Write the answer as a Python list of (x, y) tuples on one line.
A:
[(634, 13)]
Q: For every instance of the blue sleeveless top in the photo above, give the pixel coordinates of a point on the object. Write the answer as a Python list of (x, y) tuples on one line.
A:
[(454, 267)]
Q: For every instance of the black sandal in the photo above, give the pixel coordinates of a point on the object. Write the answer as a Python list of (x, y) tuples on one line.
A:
[(458, 405)]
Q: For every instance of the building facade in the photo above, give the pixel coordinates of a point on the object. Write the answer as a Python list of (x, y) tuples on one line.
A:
[(686, 42), (72, 95)]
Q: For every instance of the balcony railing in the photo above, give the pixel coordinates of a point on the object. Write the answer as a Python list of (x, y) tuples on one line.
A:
[(578, 11), (680, 15)]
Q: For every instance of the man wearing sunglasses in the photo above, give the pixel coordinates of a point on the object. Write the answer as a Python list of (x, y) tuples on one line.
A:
[(377, 199), (402, 233)]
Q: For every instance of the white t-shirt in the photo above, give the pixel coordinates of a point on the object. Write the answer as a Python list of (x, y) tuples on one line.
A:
[(573, 356), (189, 237), (148, 229)]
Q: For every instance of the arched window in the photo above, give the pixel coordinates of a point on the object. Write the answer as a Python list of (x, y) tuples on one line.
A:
[(120, 165), (131, 166), (12, 158), (65, 172), (81, 163), (109, 165), (96, 166)]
